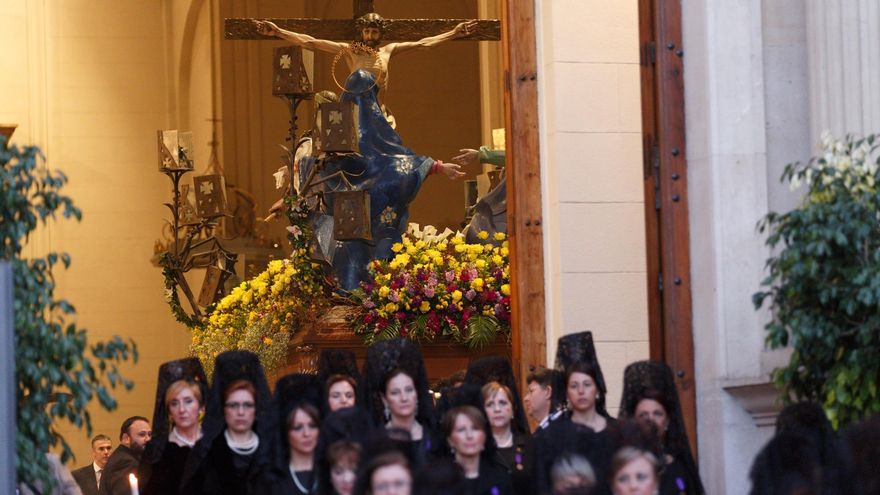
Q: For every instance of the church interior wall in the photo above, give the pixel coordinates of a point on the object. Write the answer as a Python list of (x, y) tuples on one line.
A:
[(592, 179), (89, 82)]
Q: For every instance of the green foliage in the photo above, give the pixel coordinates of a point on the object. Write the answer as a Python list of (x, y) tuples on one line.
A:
[(57, 371), (824, 281)]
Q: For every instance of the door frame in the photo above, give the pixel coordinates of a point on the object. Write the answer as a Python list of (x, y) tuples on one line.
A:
[(668, 280)]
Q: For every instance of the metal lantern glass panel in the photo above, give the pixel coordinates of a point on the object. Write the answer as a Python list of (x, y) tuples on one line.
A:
[(337, 128), (289, 76), (187, 207), (211, 286), (322, 246), (210, 195), (351, 216), (175, 151)]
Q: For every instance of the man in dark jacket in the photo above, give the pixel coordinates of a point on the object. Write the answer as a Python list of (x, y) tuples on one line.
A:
[(133, 437), (89, 477)]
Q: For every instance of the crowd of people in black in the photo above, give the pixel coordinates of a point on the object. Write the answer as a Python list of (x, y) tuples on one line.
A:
[(384, 432)]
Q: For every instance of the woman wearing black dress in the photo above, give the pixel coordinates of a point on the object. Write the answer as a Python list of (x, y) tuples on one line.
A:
[(180, 400), (507, 418), (649, 395), (397, 388), (298, 399), (234, 456), (583, 391), (467, 433)]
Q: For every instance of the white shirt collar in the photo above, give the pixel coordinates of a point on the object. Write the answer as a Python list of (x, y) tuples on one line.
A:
[(95, 467)]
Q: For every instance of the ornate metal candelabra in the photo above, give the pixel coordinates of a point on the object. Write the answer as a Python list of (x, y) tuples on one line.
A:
[(193, 243)]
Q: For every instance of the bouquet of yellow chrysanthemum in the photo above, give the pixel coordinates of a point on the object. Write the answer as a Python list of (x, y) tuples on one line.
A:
[(438, 286), (260, 314)]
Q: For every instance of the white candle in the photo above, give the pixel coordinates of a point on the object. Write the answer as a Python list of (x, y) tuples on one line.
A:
[(133, 481)]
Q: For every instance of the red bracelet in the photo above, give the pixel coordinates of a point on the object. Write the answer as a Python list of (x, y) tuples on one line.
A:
[(436, 167)]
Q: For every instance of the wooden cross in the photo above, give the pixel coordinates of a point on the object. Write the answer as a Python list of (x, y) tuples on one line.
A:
[(346, 30)]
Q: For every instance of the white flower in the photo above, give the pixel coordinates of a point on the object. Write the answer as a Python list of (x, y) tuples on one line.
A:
[(828, 157), (295, 230), (280, 175), (858, 154), (795, 182), (826, 139), (839, 147)]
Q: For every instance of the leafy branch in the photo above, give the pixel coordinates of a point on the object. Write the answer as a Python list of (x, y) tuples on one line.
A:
[(823, 283), (57, 371)]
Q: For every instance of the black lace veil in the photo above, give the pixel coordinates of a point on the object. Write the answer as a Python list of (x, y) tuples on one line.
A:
[(577, 348), (644, 377), (188, 369), (385, 357)]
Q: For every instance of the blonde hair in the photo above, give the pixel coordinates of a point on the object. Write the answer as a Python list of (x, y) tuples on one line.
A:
[(490, 389), (627, 454), (177, 386)]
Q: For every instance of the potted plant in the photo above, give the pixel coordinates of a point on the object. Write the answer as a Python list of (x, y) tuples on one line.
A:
[(57, 370), (823, 285)]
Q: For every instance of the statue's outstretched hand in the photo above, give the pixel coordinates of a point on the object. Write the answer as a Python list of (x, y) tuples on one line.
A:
[(467, 156), (267, 28), (452, 170), (465, 28)]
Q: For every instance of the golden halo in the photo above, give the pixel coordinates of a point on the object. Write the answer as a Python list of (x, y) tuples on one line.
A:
[(349, 49)]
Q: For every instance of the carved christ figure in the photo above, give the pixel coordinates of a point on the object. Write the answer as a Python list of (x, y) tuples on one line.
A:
[(366, 54)]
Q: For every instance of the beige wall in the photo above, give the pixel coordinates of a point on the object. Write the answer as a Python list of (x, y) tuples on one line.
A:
[(88, 81), (592, 179)]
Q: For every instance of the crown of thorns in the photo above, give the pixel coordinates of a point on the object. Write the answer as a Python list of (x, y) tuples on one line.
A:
[(371, 20)]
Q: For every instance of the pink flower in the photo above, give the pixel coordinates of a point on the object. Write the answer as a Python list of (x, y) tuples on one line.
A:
[(465, 315), (429, 291), (295, 230), (434, 322), (450, 276)]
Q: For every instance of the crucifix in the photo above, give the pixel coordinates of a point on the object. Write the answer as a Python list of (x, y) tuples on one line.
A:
[(341, 35), (346, 30)]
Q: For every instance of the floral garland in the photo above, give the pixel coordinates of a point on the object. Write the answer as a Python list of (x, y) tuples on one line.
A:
[(173, 299), (438, 286)]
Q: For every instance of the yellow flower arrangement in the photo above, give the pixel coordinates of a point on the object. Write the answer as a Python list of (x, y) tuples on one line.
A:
[(260, 314)]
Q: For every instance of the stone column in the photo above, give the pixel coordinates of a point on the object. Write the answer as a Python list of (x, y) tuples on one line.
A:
[(7, 382), (843, 42)]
